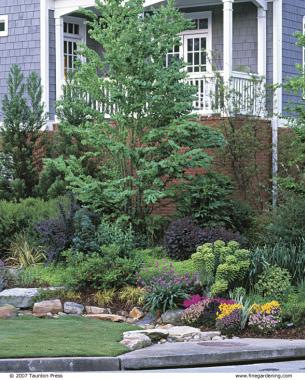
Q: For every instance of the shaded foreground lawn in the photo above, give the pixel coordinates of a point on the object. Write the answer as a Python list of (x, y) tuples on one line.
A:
[(32, 337)]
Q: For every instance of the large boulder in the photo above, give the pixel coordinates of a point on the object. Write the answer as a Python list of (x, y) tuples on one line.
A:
[(172, 317), (42, 309), (8, 311), (19, 297), (97, 310), (136, 341), (106, 317), (73, 308)]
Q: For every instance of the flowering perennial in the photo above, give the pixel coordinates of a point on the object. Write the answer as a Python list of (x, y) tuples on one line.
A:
[(228, 319), (227, 309), (265, 318), (266, 308)]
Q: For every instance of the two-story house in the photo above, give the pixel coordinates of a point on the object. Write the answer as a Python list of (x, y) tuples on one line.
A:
[(238, 38)]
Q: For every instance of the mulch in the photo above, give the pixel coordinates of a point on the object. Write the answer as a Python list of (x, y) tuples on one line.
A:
[(288, 333)]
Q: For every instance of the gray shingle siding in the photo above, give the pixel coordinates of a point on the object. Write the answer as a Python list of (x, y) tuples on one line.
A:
[(244, 35), (293, 12), (22, 46), (52, 65)]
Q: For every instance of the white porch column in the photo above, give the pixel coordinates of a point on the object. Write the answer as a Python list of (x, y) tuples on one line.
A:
[(261, 42), (44, 52), (59, 37), (227, 39)]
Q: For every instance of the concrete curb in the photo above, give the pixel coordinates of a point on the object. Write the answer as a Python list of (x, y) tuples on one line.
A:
[(168, 355), (60, 364)]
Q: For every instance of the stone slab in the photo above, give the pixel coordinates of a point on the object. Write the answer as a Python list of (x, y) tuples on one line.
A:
[(175, 355)]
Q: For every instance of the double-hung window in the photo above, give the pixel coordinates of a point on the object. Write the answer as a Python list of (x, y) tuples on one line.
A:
[(3, 25), (74, 32), (195, 44)]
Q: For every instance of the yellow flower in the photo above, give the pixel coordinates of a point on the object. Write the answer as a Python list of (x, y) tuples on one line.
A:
[(226, 310), (266, 308)]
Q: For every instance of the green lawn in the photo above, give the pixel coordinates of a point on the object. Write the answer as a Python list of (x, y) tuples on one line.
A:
[(32, 337)]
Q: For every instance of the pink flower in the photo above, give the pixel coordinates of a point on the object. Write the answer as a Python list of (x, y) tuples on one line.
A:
[(192, 301)]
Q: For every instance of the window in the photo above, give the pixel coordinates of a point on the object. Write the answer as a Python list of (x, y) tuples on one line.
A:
[(71, 28), (197, 43), (195, 53), (74, 32), (173, 55), (201, 23), (3, 26), (70, 56)]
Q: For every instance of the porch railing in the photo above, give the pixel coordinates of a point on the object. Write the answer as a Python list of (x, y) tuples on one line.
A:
[(244, 94)]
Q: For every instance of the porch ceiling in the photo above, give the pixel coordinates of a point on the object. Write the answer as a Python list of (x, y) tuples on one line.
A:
[(196, 3), (63, 7)]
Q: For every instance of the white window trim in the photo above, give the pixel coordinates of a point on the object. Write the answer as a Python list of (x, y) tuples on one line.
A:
[(82, 28), (4, 18), (202, 32)]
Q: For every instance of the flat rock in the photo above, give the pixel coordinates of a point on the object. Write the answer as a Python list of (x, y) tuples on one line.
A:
[(97, 310), (136, 341), (73, 308), (8, 311), (18, 297), (182, 333), (106, 317), (172, 317), (136, 313), (154, 334), (43, 308)]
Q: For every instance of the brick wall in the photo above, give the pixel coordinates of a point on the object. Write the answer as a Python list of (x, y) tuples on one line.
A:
[(223, 165), (22, 46)]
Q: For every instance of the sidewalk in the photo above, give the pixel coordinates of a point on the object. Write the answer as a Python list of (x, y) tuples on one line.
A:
[(173, 355), (169, 355)]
